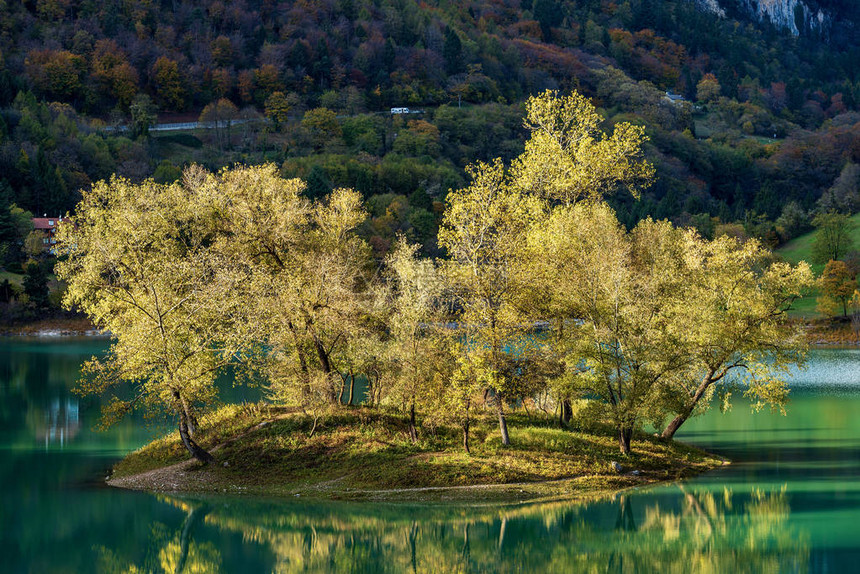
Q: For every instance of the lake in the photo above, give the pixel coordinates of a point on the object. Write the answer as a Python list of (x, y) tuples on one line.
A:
[(790, 502)]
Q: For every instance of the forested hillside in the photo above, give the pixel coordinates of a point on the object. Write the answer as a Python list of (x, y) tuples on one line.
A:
[(761, 122)]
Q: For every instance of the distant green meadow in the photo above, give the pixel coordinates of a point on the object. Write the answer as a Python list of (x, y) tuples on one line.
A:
[(800, 249)]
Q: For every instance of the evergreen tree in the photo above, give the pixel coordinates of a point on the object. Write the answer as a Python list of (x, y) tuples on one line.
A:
[(452, 52), (548, 13), (8, 229), (322, 64), (388, 55), (36, 286), (318, 185)]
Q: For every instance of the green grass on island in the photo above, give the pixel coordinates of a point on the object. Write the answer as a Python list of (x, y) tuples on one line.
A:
[(363, 453)]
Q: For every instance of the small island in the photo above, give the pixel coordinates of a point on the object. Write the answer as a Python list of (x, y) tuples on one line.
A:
[(504, 368), (363, 454)]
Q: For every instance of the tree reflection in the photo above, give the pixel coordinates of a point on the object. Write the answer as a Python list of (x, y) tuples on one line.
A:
[(686, 531), (169, 552)]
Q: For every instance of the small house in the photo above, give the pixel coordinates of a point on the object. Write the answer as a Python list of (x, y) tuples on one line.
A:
[(48, 226), (674, 98)]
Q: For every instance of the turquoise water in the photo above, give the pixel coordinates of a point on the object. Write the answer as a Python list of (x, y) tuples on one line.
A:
[(790, 502)]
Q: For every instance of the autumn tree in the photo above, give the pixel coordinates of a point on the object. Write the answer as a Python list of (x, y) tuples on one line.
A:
[(35, 243), (836, 286), (733, 320), (219, 117), (609, 294), (143, 115), (483, 231), (278, 107), (415, 300), (322, 126), (268, 80), (708, 89), (467, 380), (115, 75), (309, 283), (138, 261), (55, 74), (568, 157), (169, 84)]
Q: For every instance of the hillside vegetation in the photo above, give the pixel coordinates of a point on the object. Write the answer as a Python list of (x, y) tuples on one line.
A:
[(766, 125)]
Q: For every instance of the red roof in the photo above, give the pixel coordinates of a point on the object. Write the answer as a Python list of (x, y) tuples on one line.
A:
[(46, 223)]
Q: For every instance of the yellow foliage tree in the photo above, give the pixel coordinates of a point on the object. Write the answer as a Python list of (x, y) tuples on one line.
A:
[(568, 157), (836, 285), (138, 261), (733, 318), (483, 232)]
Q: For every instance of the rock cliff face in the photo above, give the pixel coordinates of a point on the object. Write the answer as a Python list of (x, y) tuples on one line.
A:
[(711, 6), (794, 16)]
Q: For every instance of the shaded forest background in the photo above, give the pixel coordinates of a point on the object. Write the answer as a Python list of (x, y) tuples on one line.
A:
[(765, 134)]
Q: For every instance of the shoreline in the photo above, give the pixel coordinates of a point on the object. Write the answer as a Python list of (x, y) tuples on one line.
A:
[(170, 481), (338, 467), (818, 334), (52, 327), (82, 327)]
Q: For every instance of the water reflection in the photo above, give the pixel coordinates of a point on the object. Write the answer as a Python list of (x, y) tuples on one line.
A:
[(790, 502), (35, 390), (691, 531), (38, 406), (62, 422), (169, 551)]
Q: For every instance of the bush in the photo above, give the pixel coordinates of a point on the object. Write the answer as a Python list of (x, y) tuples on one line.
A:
[(187, 140)]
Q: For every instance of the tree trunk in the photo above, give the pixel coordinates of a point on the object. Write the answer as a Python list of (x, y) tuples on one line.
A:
[(670, 430), (466, 436), (625, 436), (351, 387), (325, 363), (192, 420), (503, 426), (192, 424), (567, 411), (341, 391), (302, 362), (193, 448), (413, 431)]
